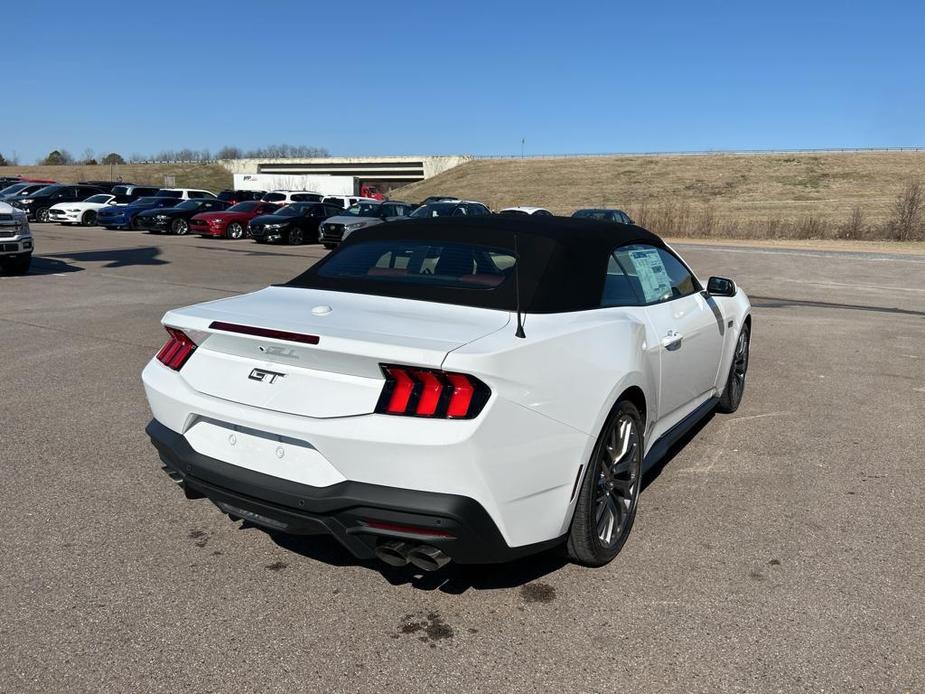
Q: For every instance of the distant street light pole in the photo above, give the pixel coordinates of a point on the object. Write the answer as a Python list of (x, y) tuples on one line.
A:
[(522, 140)]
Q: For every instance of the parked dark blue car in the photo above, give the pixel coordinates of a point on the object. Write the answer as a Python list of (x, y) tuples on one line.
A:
[(123, 216)]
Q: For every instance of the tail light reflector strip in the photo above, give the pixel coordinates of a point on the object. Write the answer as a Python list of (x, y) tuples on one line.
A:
[(177, 350), (417, 392)]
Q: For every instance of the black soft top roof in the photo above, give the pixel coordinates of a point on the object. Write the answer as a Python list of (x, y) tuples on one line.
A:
[(562, 260)]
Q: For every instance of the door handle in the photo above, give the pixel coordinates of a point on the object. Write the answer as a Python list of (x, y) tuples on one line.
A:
[(672, 340)]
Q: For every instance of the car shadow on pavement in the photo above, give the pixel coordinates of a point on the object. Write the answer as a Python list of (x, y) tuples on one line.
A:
[(113, 257), (453, 579), (49, 266), (651, 473)]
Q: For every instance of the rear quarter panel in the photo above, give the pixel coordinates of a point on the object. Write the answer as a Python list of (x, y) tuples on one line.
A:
[(571, 367)]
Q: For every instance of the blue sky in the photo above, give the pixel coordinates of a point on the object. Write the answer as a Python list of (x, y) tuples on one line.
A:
[(475, 77)]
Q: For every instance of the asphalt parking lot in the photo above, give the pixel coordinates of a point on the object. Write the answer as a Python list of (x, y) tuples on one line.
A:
[(778, 549)]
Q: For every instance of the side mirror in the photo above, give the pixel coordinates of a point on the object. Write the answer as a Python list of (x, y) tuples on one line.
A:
[(721, 286)]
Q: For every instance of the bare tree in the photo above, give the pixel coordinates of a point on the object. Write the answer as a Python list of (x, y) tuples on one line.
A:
[(907, 221), (855, 227), (229, 152)]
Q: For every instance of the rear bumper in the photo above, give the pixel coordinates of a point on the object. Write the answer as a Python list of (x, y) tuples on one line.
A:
[(458, 525)]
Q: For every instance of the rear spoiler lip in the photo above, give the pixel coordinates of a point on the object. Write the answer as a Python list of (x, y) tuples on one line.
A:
[(283, 335)]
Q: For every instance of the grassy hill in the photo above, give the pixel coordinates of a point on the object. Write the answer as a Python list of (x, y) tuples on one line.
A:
[(819, 195), (208, 176)]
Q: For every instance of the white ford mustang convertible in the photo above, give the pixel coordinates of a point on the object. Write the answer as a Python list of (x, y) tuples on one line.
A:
[(461, 389)]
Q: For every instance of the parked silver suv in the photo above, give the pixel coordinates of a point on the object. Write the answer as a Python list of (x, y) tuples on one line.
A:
[(15, 240), (364, 214)]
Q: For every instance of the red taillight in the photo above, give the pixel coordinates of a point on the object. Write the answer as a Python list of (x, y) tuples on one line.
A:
[(177, 350), (416, 392), (401, 391), (461, 398)]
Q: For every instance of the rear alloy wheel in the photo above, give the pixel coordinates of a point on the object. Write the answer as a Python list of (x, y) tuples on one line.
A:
[(295, 236), (89, 218), (41, 214), (735, 383), (179, 227), (609, 495), (234, 231)]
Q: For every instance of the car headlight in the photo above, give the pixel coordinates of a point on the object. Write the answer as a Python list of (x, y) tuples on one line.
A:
[(274, 227), (353, 225), (162, 217), (74, 210), (26, 201)]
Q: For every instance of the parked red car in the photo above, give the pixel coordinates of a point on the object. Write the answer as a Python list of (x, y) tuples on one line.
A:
[(230, 223)]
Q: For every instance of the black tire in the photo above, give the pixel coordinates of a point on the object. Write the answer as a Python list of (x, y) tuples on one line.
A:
[(88, 219), (610, 488), (16, 266), (179, 227), (110, 228), (259, 239), (735, 382), (295, 237), (41, 215), (234, 231), (330, 246)]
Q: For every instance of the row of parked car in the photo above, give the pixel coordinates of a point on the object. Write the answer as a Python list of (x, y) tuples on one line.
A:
[(292, 217)]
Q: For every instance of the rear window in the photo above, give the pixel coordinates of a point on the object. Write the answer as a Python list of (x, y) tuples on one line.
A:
[(169, 194), (274, 197), (429, 264)]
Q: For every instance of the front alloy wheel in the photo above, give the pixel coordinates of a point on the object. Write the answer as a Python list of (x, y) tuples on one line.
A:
[(295, 236), (41, 215), (235, 231), (609, 496), (179, 227), (735, 384)]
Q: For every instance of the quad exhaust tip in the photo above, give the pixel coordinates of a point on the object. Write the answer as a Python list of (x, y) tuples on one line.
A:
[(428, 558), (424, 557), (393, 552)]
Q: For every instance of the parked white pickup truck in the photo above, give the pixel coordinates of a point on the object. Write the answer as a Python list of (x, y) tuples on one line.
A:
[(15, 240)]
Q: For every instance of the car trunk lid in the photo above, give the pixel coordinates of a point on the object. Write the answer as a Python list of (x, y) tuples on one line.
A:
[(317, 353)]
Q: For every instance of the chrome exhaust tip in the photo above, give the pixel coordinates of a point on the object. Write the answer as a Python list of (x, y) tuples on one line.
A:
[(428, 558), (393, 552)]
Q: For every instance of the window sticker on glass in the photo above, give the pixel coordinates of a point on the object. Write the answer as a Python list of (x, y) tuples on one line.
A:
[(656, 285)]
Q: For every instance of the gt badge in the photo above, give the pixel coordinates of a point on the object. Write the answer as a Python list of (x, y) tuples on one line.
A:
[(265, 376)]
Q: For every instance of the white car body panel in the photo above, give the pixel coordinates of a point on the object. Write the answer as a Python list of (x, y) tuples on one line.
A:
[(521, 458), (185, 193), (526, 209), (347, 201), (72, 212)]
